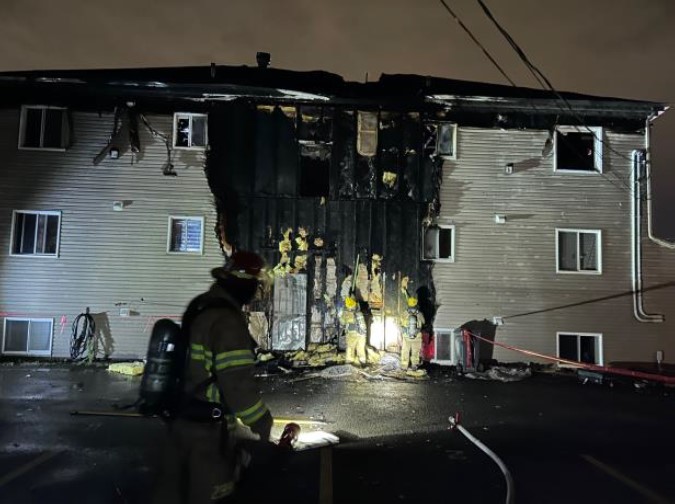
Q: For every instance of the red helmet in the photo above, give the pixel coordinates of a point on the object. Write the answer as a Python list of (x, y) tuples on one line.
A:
[(244, 265)]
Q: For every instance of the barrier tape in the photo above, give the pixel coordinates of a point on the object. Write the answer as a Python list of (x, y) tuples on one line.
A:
[(583, 365)]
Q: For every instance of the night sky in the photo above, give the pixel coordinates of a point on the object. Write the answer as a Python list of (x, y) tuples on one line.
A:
[(621, 48)]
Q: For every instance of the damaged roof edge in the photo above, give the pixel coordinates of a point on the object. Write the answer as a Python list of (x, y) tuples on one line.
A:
[(219, 83)]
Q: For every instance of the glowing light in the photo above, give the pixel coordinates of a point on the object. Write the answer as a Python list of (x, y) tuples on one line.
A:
[(384, 334)]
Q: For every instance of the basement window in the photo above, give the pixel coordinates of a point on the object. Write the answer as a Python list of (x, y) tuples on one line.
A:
[(186, 235), (44, 128), (440, 139), (578, 251), (366, 142), (25, 336), (439, 243), (578, 150), (35, 233), (190, 130), (580, 347)]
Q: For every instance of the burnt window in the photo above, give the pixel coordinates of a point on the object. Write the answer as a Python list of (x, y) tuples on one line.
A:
[(440, 139), (315, 125), (189, 131), (578, 150), (439, 243), (43, 128), (366, 142), (314, 170)]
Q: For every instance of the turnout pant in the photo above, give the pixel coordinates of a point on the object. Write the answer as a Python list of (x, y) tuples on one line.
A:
[(410, 351), (199, 464), (356, 347)]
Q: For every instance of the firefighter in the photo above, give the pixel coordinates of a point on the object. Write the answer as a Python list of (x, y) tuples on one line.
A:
[(205, 457), (355, 325), (411, 332)]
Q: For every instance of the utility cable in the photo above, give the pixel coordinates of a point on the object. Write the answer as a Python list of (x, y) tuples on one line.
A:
[(476, 41)]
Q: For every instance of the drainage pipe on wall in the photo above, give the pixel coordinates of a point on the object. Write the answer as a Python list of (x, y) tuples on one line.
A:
[(648, 175), (638, 173)]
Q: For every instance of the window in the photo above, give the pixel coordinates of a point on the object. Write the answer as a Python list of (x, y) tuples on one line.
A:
[(27, 336), (439, 243), (580, 347), (189, 131), (440, 139), (579, 251), (186, 235), (578, 149), (445, 346), (366, 143), (35, 233), (43, 128)]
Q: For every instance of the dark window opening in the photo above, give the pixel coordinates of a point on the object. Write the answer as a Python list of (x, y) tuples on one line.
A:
[(35, 233), (567, 347), (315, 125), (575, 151), (579, 348), (314, 171), (438, 243)]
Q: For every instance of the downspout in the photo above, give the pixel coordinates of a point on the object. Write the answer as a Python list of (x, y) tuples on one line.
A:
[(648, 174), (639, 161)]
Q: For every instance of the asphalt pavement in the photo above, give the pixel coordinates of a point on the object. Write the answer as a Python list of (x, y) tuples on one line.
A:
[(563, 442)]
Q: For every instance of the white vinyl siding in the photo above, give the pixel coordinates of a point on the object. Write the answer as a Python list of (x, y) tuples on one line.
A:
[(190, 131), (25, 336), (580, 347), (35, 233), (579, 251), (186, 235), (43, 128)]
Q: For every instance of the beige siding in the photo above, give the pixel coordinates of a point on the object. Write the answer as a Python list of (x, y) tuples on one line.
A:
[(105, 257), (510, 269)]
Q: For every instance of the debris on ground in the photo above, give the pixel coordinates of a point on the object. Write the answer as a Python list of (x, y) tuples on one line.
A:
[(127, 368), (502, 373), (316, 356)]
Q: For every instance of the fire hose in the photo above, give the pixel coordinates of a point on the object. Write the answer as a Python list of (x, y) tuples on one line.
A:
[(454, 422)]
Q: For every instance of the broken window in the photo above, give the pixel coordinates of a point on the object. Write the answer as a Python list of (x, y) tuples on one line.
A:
[(315, 125), (580, 347), (186, 235), (578, 150), (440, 139), (190, 131), (43, 128), (366, 143), (26, 336), (578, 251), (439, 243), (35, 233), (314, 170)]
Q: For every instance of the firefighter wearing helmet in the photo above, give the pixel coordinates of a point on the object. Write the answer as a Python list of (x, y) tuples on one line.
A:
[(411, 335), (204, 459), (354, 322)]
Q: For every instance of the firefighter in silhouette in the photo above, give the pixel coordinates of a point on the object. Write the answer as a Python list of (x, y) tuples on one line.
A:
[(204, 456), (354, 322), (411, 335)]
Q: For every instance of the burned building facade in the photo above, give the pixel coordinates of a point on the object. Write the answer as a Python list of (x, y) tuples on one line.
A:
[(528, 209)]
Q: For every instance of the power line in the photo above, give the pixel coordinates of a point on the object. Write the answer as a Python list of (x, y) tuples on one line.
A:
[(545, 83), (475, 40)]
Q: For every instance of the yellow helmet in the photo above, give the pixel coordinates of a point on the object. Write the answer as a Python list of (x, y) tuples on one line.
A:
[(412, 302), (350, 302)]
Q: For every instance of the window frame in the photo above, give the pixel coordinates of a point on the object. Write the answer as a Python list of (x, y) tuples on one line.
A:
[(578, 271), (169, 235), (58, 213), (191, 116), (600, 358), (597, 132), (452, 257), (40, 353), (361, 130), (43, 108), (452, 333)]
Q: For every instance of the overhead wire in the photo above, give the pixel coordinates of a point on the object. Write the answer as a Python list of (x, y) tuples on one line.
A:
[(546, 84)]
